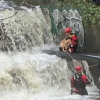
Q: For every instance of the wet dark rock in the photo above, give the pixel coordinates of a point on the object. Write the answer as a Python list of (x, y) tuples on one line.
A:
[(97, 99), (29, 5)]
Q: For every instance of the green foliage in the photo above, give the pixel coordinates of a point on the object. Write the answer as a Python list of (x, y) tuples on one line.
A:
[(89, 11)]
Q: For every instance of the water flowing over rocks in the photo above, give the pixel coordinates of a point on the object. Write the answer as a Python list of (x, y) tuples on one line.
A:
[(35, 75), (23, 31)]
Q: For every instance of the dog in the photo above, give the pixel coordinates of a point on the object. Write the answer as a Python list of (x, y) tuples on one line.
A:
[(65, 45)]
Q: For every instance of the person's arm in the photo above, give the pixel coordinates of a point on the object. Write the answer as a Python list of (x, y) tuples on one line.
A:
[(74, 40), (73, 89), (72, 82), (84, 78)]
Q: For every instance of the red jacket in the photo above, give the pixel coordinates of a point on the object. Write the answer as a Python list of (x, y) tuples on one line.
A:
[(82, 81), (74, 42)]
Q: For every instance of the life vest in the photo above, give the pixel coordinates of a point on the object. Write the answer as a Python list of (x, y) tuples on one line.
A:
[(74, 42), (78, 83)]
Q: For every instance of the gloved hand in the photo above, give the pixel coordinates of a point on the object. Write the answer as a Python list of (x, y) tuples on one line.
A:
[(71, 45), (74, 90)]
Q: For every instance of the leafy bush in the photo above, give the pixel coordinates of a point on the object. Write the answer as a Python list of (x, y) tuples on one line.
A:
[(89, 11)]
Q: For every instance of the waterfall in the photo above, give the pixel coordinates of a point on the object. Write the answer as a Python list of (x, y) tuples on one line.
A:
[(32, 75), (33, 72), (37, 74), (23, 31)]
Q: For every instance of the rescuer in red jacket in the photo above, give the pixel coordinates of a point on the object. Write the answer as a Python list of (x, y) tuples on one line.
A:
[(73, 39), (79, 81)]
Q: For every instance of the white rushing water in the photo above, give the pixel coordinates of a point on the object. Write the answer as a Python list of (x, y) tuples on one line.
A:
[(31, 74), (36, 76)]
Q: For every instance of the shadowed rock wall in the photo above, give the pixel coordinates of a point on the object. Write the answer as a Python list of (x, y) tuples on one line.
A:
[(92, 39)]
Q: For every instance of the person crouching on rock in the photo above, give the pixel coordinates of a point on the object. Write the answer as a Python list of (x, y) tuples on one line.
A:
[(73, 37)]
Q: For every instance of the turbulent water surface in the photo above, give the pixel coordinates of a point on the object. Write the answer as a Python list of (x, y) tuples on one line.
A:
[(37, 76), (25, 72)]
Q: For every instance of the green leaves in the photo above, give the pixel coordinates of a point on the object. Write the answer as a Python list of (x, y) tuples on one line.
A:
[(89, 11)]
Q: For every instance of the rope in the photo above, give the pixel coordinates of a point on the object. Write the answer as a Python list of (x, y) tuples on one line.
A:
[(79, 62), (94, 65), (74, 59)]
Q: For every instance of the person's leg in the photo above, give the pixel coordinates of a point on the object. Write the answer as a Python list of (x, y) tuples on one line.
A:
[(84, 92)]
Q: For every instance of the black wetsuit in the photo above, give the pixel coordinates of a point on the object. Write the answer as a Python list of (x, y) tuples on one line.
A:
[(79, 82)]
